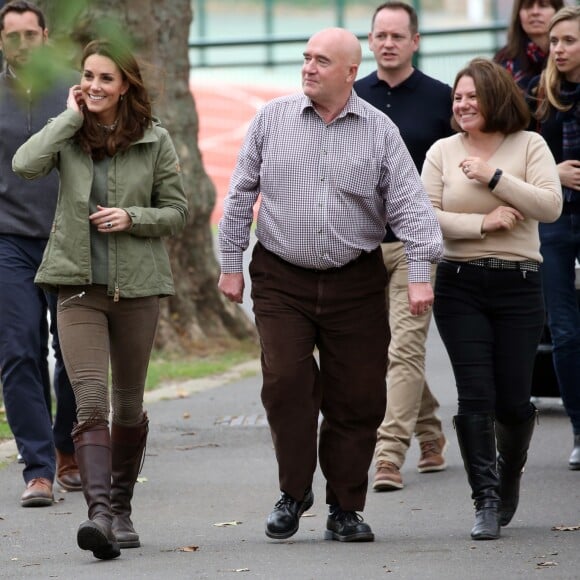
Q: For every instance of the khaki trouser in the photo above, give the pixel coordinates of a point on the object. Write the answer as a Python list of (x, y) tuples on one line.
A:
[(411, 407)]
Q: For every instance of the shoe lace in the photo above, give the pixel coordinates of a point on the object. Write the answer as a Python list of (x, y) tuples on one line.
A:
[(388, 466), (430, 448), (346, 516), (284, 501)]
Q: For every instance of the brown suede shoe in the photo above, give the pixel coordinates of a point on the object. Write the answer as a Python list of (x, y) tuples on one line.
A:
[(38, 493), (388, 477), (67, 472), (433, 455)]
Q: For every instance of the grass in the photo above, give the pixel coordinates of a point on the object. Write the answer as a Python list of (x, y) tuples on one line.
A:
[(5, 432), (175, 369), (181, 369)]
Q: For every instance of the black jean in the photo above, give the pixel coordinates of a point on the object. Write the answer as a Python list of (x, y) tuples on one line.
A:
[(490, 322)]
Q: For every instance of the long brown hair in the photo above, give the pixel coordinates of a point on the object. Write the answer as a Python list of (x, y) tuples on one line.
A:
[(548, 91), (517, 39), (134, 108)]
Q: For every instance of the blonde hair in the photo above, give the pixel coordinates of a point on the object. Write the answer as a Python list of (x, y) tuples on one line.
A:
[(548, 91)]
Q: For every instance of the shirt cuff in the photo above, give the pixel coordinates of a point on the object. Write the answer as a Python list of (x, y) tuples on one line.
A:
[(420, 272), (231, 263)]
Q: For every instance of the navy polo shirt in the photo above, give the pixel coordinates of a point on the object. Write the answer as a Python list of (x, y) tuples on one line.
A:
[(420, 107)]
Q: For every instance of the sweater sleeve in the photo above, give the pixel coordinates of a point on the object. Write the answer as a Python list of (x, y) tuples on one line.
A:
[(540, 196)]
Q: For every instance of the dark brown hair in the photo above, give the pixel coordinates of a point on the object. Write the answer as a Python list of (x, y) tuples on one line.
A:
[(517, 39), (500, 100), (21, 6), (134, 109)]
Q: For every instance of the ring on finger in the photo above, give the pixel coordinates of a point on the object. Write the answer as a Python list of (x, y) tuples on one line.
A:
[(109, 225)]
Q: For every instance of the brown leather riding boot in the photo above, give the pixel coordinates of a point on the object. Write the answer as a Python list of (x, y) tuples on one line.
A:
[(93, 451), (128, 446), (67, 471)]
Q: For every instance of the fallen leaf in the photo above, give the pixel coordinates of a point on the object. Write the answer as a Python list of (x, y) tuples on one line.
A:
[(241, 569), (225, 524), (186, 415), (188, 549), (182, 395), (187, 433), (546, 564), (142, 479), (565, 528), (190, 447)]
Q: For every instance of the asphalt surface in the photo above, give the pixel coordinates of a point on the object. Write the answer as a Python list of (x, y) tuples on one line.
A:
[(210, 479)]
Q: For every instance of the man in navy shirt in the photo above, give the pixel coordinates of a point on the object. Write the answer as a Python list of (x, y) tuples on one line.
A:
[(421, 108)]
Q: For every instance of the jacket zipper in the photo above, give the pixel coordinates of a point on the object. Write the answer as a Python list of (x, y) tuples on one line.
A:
[(29, 115)]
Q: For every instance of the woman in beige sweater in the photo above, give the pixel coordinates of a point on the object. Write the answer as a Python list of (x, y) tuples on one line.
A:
[(491, 184)]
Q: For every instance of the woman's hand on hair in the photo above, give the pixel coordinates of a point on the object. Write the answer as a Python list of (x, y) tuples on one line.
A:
[(503, 217), (569, 173), (75, 100)]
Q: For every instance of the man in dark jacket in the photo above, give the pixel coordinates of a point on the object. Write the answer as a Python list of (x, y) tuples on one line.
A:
[(420, 106), (26, 214)]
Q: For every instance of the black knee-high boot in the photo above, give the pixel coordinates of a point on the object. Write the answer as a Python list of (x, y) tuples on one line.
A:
[(128, 445), (476, 436), (513, 442), (93, 451)]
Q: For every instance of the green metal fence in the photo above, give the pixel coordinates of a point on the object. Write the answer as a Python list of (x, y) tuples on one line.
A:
[(252, 40)]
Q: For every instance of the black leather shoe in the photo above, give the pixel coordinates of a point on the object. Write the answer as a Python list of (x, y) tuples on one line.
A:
[(574, 461), (282, 523), (347, 527), (487, 524)]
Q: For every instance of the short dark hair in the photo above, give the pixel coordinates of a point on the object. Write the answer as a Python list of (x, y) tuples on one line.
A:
[(395, 5), (500, 100), (22, 6)]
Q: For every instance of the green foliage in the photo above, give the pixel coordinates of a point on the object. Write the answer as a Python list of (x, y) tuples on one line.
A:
[(68, 26)]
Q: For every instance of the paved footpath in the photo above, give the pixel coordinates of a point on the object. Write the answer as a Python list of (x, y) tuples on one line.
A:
[(209, 480)]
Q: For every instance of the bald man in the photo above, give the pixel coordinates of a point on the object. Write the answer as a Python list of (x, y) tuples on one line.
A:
[(332, 171)]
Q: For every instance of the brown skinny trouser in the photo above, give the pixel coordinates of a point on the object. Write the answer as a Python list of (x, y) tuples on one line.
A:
[(93, 330), (342, 313)]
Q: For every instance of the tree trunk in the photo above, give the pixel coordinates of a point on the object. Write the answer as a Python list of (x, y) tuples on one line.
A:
[(198, 315)]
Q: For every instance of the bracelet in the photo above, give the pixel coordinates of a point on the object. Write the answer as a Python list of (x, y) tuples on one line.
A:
[(495, 179)]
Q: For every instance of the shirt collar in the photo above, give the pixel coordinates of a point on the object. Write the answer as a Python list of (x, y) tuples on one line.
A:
[(353, 106), (410, 82)]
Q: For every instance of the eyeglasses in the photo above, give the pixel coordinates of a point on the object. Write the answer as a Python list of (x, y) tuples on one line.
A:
[(14, 40)]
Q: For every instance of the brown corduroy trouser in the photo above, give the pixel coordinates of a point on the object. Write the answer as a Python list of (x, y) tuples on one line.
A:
[(341, 312)]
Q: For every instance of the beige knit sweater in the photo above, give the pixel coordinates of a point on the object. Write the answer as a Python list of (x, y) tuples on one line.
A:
[(529, 183)]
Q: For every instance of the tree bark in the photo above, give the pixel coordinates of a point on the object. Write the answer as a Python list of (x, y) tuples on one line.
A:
[(198, 316)]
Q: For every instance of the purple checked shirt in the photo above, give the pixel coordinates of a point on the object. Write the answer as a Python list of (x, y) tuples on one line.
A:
[(327, 190)]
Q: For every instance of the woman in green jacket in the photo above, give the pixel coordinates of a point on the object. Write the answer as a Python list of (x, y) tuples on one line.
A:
[(120, 193)]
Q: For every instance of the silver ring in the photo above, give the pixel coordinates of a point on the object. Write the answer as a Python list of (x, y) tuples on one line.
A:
[(109, 225)]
